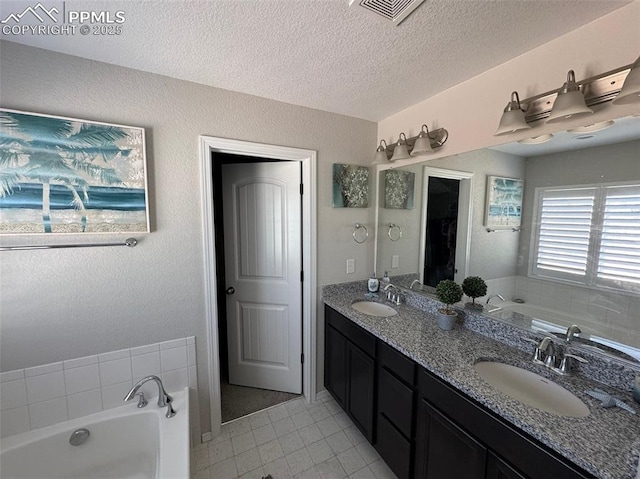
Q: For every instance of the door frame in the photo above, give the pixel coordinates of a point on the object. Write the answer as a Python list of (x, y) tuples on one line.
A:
[(465, 209), (307, 158)]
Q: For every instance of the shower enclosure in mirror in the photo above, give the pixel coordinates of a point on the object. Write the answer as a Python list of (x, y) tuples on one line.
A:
[(575, 259)]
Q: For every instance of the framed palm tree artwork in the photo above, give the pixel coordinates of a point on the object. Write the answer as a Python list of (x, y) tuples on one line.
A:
[(64, 175)]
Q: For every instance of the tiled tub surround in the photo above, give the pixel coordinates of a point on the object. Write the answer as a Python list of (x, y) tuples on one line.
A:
[(40, 396), (606, 443)]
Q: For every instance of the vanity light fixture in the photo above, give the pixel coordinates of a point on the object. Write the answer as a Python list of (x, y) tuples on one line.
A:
[(381, 154), (400, 152), (422, 146), (423, 143), (630, 92), (570, 101), (620, 86), (512, 119)]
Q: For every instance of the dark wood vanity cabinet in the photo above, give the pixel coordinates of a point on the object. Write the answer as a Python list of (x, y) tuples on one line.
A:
[(349, 373), (421, 426), (486, 446), (395, 415)]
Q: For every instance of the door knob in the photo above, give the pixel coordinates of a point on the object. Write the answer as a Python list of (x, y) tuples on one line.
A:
[(230, 290)]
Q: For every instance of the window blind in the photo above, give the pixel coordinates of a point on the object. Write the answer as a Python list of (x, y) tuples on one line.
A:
[(619, 252), (564, 233)]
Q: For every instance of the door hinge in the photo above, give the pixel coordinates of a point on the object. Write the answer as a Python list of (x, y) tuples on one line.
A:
[(301, 189), (302, 358), (302, 276)]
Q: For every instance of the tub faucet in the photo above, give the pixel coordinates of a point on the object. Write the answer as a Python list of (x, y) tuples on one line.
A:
[(495, 296), (414, 282), (163, 398), (573, 329)]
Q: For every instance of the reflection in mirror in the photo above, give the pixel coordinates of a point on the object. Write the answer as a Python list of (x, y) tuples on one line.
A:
[(576, 258)]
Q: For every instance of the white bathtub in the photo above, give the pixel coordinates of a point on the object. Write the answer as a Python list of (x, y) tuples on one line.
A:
[(125, 443)]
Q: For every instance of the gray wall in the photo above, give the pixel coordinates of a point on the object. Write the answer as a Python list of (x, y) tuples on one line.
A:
[(66, 303)]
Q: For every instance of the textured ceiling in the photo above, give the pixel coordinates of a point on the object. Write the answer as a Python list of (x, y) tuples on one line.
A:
[(322, 53)]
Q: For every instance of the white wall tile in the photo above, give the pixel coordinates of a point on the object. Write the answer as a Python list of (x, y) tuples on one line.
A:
[(174, 358), (13, 394), (116, 371), (113, 355), (45, 387), (45, 413), (51, 393), (80, 362), (14, 421), (113, 395), (12, 375), (149, 348), (84, 403), (175, 380), (44, 369), (81, 379), (145, 365), (174, 343), (191, 354)]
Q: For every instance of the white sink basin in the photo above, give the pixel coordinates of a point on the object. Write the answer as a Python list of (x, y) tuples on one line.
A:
[(374, 309), (531, 389)]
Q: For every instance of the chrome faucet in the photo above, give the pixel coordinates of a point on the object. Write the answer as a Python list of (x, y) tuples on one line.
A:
[(546, 347), (393, 297), (573, 329), (495, 296), (413, 283), (163, 398)]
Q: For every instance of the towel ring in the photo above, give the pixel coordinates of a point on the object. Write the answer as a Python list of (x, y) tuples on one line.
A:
[(357, 227), (398, 235)]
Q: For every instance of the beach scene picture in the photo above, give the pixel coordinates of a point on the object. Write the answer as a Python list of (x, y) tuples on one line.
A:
[(64, 175), (504, 202)]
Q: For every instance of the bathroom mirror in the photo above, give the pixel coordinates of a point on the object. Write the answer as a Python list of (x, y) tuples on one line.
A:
[(455, 240)]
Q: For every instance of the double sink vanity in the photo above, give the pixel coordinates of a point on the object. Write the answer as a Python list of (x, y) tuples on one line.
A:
[(471, 403)]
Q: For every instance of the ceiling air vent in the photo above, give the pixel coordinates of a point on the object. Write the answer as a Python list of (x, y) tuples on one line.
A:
[(393, 10)]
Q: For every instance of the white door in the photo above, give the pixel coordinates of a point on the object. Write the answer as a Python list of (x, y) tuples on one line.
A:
[(263, 263)]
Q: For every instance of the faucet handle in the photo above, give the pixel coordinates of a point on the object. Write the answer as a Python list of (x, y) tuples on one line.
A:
[(565, 364), (537, 354), (142, 401)]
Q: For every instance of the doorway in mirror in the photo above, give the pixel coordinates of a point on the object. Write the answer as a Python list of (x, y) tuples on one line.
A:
[(441, 231)]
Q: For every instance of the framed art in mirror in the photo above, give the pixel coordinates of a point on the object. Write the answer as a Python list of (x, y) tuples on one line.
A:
[(504, 202)]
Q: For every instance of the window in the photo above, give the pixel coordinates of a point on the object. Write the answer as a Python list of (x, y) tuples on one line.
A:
[(588, 235)]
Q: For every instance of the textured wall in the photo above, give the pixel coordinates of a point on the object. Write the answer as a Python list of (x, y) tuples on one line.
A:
[(66, 303)]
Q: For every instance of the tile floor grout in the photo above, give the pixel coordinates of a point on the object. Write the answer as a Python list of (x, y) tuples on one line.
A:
[(290, 440)]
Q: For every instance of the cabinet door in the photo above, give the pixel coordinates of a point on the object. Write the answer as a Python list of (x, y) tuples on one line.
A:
[(335, 361), (361, 372), (445, 450), (498, 469)]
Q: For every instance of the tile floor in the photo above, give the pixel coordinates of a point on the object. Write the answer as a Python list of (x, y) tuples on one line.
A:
[(291, 440)]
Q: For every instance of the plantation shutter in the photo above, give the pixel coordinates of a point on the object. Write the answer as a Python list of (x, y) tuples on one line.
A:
[(619, 252), (564, 233)]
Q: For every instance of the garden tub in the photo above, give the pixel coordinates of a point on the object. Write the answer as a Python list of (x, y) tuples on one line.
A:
[(124, 442)]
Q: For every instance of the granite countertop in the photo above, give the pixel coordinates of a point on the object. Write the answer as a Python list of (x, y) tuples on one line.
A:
[(606, 443)]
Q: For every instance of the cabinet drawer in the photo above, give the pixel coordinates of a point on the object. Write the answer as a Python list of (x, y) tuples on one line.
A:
[(393, 448), (396, 362), (358, 336), (395, 401)]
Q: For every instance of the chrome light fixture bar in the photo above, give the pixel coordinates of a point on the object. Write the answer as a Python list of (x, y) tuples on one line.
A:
[(618, 86), (408, 147)]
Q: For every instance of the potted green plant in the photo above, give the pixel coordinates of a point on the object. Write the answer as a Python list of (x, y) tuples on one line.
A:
[(474, 287), (447, 292)]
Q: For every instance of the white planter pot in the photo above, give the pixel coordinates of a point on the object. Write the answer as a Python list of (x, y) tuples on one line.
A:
[(446, 321)]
